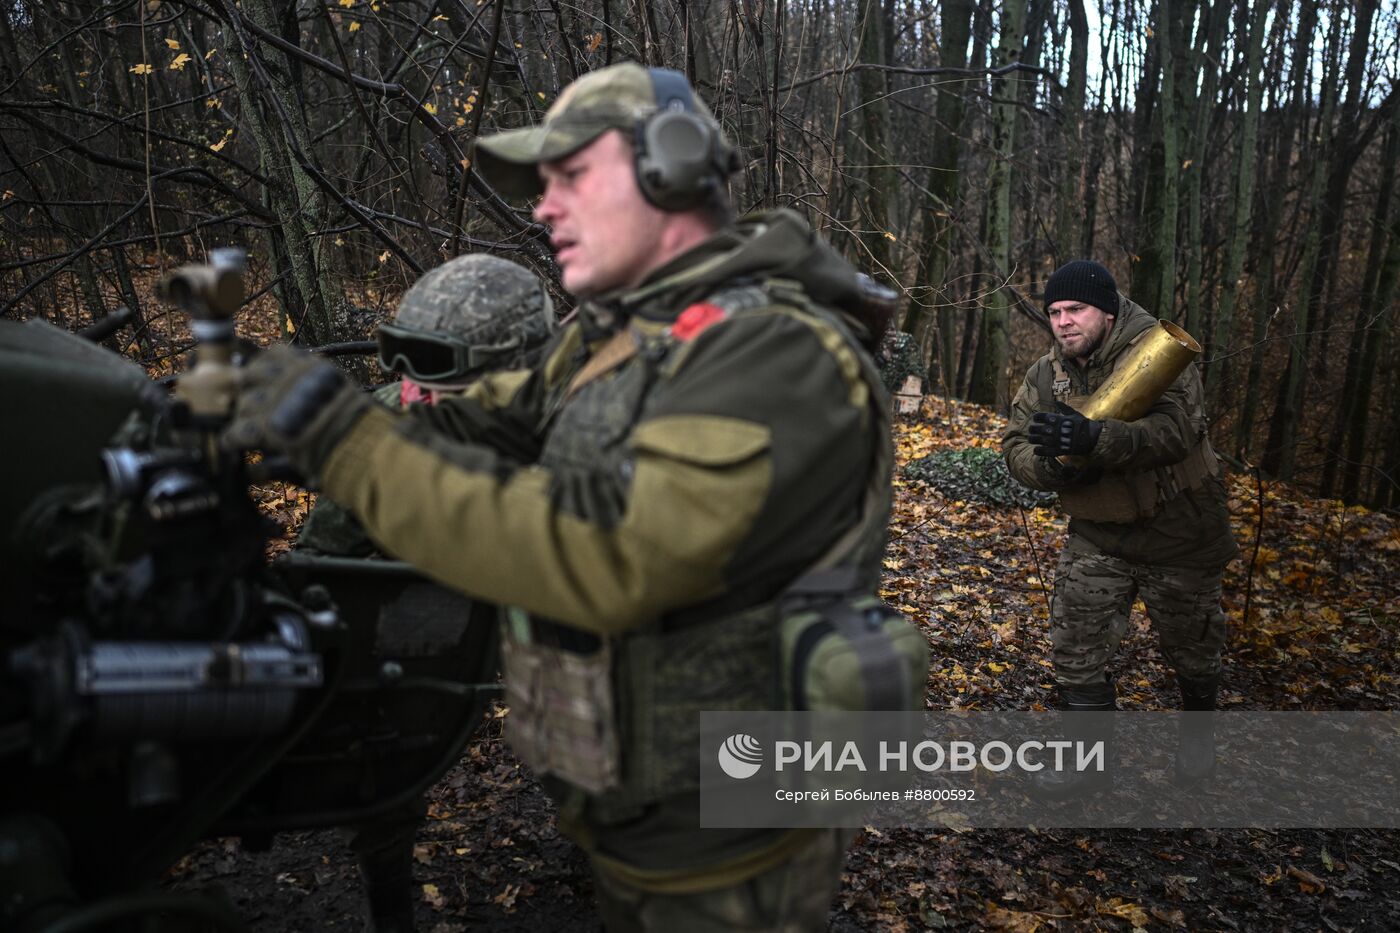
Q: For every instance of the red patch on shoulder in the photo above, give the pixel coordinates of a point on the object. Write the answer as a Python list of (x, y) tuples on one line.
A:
[(695, 319)]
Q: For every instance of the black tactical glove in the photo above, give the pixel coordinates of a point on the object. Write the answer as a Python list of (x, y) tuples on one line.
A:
[(294, 403), (1063, 432)]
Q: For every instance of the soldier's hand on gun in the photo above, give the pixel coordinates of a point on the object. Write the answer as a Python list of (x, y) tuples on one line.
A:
[(1063, 432), (293, 403)]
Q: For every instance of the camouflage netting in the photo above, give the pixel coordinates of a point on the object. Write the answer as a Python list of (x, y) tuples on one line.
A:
[(977, 474), (897, 359)]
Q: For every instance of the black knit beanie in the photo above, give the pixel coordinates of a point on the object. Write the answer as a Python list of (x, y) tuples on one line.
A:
[(1083, 280)]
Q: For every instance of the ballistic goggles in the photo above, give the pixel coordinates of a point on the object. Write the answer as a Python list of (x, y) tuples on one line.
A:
[(424, 356)]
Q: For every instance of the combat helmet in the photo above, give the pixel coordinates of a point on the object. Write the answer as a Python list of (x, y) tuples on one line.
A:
[(468, 316)]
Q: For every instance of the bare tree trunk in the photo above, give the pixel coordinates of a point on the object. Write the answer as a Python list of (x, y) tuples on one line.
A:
[(272, 108), (943, 186), (1267, 228), (1070, 209), (989, 369), (1280, 453), (1238, 238), (875, 117), (1215, 16)]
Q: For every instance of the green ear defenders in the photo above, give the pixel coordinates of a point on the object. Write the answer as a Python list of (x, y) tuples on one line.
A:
[(681, 157)]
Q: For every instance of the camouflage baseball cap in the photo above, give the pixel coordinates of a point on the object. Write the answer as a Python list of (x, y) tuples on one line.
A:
[(468, 316), (612, 98)]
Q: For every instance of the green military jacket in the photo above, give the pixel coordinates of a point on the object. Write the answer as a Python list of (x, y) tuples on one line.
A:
[(745, 451), (1192, 527)]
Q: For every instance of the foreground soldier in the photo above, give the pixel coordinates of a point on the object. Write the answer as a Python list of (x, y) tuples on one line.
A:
[(704, 434), (1147, 513), (470, 316)]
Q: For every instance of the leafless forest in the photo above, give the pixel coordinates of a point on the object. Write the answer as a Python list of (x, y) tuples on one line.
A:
[(1234, 163)]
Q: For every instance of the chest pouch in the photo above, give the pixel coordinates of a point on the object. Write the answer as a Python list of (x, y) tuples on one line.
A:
[(840, 649), (563, 719)]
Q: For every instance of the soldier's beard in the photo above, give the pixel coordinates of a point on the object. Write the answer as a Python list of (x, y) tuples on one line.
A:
[(1080, 355), (1088, 351)]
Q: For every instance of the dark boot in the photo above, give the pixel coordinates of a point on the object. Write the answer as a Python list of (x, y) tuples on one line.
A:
[(1049, 784), (1195, 745)]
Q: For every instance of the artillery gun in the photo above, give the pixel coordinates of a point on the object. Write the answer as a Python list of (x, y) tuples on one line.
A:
[(160, 681)]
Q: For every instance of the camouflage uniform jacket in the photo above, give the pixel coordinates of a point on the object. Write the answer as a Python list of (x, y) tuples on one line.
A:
[(1190, 529), (685, 448)]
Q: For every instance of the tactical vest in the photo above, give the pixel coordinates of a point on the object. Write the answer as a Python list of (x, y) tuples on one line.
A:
[(1130, 495), (618, 718)]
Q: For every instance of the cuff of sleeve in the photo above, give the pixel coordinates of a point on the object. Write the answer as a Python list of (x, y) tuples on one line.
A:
[(349, 460), (1114, 442), (1051, 473)]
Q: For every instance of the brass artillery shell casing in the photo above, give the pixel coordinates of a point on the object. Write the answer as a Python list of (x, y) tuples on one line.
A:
[(1149, 369)]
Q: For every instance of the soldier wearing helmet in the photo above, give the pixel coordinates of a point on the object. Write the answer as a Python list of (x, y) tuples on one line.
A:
[(470, 316)]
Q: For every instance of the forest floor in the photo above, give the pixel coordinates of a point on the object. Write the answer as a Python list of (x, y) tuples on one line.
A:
[(1321, 634)]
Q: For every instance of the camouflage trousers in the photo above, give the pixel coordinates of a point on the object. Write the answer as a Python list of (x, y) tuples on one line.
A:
[(792, 897), (1094, 596)]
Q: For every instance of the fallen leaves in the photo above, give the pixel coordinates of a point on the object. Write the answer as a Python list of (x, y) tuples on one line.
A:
[(1124, 910), (507, 897), (1013, 921)]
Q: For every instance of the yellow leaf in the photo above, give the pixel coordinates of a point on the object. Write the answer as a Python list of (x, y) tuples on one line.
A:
[(1150, 33), (141, 69), (461, 121), (347, 3), (180, 62), (1124, 910), (209, 54), (172, 43), (228, 134), (1187, 164), (540, 94), (438, 17), (889, 236), (291, 328), (384, 255), (212, 103), (355, 26), (996, 667), (431, 108)]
